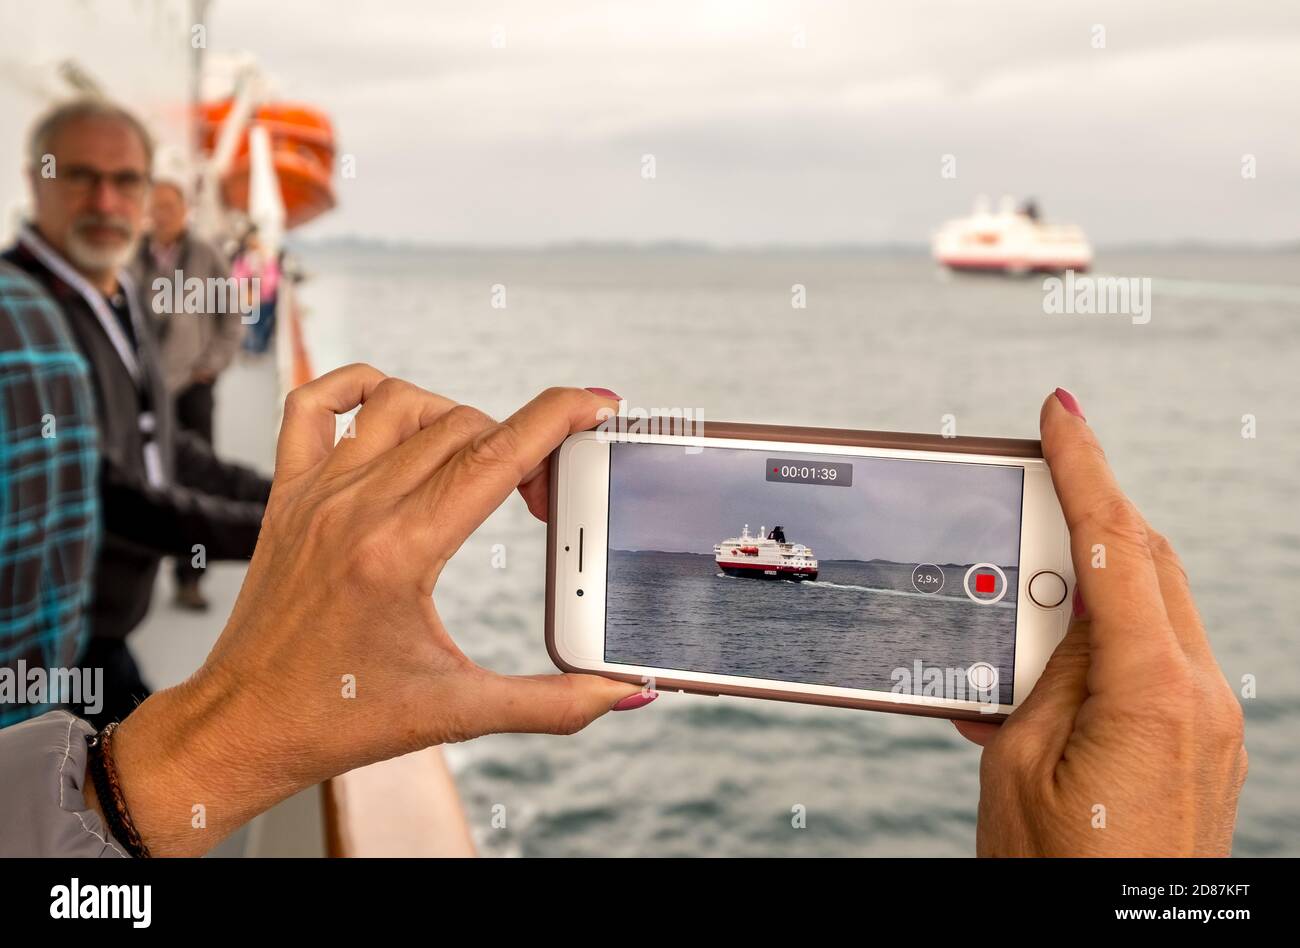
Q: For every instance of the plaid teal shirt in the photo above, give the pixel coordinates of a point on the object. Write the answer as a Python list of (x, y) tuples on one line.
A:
[(49, 496)]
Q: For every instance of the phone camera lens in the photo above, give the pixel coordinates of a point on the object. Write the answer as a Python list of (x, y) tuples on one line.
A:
[(579, 592)]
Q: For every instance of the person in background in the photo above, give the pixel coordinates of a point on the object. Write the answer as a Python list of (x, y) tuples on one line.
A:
[(162, 492), (49, 518), (254, 263), (196, 347)]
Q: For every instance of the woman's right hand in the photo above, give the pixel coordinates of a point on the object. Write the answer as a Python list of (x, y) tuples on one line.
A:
[(335, 656), (1131, 742)]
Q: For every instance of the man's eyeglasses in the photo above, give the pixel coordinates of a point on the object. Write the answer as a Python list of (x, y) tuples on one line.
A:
[(82, 180)]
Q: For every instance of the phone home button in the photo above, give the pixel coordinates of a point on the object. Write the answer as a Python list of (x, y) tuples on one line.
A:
[(1047, 589)]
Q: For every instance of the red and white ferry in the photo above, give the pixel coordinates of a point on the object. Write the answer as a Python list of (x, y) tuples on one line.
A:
[(770, 557), (1012, 240)]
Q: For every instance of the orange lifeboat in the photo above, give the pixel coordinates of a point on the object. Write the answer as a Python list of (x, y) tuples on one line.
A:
[(302, 147)]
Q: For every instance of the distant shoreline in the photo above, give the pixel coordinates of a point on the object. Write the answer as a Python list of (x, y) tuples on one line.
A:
[(670, 247)]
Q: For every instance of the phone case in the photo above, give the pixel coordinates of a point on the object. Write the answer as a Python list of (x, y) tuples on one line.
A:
[(1001, 447)]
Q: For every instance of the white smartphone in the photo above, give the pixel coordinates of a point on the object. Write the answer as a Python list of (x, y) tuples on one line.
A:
[(876, 570)]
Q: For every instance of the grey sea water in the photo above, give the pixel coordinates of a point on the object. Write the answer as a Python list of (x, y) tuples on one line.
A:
[(854, 627), (885, 342)]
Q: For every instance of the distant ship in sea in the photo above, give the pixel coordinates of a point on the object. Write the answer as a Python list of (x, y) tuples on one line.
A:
[(1013, 240), (770, 557)]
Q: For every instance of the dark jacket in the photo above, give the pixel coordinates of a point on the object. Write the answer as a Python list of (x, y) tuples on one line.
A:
[(202, 501)]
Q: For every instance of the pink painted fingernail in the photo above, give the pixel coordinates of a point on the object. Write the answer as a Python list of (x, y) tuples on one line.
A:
[(604, 392), (638, 700), (1079, 609), (1069, 402)]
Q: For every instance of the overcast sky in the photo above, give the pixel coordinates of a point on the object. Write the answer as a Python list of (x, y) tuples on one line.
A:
[(905, 511), (759, 141)]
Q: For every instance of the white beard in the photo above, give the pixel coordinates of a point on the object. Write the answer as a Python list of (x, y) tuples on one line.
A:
[(93, 258)]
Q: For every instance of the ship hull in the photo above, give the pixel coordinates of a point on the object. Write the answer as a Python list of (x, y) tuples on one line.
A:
[(759, 571), (1011, 267)]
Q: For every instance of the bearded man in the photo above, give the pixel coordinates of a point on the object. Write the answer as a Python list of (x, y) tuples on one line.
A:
[(162, 491)]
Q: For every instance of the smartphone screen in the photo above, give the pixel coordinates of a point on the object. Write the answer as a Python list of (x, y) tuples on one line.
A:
[(881, 574)]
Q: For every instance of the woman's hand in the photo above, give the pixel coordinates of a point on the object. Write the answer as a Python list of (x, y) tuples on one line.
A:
[(334, 656), (1131, 742)]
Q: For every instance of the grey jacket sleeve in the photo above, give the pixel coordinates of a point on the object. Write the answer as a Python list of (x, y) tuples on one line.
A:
[(226, 329), (42, 809)]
